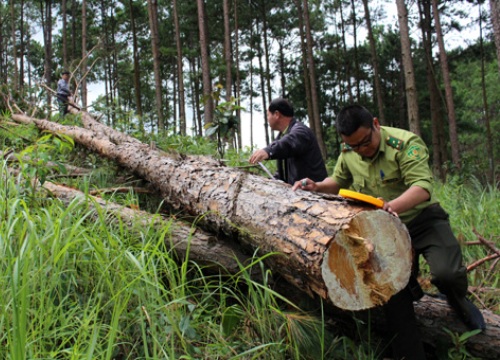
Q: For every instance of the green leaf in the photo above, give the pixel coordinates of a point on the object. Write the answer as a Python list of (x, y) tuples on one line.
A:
[(230, 319), (212, 130)]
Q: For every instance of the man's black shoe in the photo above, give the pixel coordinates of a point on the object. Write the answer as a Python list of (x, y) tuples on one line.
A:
[(468, 313)]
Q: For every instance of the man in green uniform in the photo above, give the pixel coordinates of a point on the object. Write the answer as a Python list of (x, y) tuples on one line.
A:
[(392, 164)]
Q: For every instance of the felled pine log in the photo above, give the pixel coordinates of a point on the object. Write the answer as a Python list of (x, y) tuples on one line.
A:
[(345, 252), (183, 238), (303, 229)]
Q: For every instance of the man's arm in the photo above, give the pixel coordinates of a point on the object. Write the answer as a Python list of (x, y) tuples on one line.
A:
[(328, 186), (258, 156), (407, 200)]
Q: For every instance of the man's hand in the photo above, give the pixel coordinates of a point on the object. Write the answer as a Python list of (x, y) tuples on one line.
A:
[(258, 156), (328, 186), (305, 184), (387, 207)]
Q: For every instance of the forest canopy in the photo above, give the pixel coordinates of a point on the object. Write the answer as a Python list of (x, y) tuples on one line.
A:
[(199, 68)]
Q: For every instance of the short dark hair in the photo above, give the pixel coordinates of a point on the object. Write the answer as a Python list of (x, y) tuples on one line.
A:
[(65, 72), (281, 105), (351, 118)]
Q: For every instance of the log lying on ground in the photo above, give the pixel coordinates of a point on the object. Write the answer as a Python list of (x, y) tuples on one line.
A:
[(435, 315), (70, 169), (204, 248), (266, 214)]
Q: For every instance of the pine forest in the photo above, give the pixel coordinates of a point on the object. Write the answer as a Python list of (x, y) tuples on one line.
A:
[(135, 227)]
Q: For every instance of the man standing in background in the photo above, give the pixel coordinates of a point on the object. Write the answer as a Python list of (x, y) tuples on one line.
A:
[(296, 148), (63, 93)]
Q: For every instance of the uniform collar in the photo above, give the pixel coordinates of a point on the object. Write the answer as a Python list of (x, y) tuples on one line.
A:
[(383, 145)]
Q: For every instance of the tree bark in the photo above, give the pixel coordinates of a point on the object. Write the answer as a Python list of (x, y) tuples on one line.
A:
[(312, 75), (205, 64), (303, 49), (46, 15), (495, 21), (137, 72), (15, 76), (202, 247), (374, 58), (411, 87), (450, 104), (237, 69), (180, 71), (155, 46), (64, 13), (227, 49), (434, 94), (84, 54)]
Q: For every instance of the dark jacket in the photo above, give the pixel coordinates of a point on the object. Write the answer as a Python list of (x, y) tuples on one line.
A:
[(63, 91), (298, 154)]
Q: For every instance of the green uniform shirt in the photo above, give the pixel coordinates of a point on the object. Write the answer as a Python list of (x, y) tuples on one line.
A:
[(401, 162)]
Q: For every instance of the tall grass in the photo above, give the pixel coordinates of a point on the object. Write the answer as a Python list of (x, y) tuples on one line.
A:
[(76, 288), (474, 210)]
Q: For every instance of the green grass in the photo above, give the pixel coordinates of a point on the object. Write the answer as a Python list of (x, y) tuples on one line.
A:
[(474, 211)]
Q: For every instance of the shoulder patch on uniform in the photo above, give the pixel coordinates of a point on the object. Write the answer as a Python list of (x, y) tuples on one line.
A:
[(395, 142), (414, 152), (344, 147)]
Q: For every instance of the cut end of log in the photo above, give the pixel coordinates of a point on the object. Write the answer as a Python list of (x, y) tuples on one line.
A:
[(368, 261)]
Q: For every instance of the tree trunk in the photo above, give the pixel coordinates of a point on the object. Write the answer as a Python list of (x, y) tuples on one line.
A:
[(347, 72), (299, 227), (357, 75), (495, 21), (137, 73), (84, 54), (227, 49), (452, 121), (180, 71), (411, 87), (262, 87), (155, 47), (486, 109), (267, 71), (205, 64), (307, 85), (434, 94), (204, 248), (374, 58), (22, 50), (312, 75), (237, 68), (64, 14), (46, 14), (15, 75)]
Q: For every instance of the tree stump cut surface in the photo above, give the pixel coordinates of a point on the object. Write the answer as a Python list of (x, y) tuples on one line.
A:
[(367, 262)]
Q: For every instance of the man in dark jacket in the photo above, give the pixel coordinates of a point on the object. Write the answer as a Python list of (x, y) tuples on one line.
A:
[(296, 148), (63, 93)]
